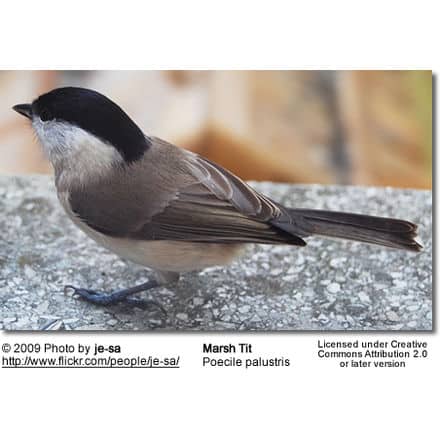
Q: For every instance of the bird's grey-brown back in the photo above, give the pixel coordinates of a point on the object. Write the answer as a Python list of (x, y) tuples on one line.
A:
[(172, 194)]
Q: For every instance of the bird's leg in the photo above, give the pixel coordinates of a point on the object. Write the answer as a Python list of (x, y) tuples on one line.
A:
[(118, 296)]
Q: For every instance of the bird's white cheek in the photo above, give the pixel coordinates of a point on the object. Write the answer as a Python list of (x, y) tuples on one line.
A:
[(52, 139), (74, 152)]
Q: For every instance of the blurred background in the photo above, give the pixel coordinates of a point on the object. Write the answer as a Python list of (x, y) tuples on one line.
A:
[(349, 127)]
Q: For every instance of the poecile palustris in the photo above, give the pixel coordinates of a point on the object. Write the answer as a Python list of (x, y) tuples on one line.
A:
[(164, 207)]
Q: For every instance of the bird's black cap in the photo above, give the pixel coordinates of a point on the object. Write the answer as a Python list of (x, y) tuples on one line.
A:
[(96, 114)]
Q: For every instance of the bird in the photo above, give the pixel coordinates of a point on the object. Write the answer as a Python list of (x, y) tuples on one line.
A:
[(167, 208)]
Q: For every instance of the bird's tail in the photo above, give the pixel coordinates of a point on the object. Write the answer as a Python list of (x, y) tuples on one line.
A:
[(383, 231)]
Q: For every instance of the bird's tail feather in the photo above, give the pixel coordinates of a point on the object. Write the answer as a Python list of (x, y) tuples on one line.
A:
[(383, 231)]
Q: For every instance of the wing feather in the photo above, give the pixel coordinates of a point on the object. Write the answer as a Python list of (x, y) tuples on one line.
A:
[(192, 200)]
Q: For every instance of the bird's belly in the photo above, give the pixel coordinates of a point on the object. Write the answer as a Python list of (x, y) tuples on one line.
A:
[(172, 256)]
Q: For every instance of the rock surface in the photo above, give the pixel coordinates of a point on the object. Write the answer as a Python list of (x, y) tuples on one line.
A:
[(327, 285)]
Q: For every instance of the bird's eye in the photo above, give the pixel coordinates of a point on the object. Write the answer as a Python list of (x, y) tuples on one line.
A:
[(45, 115)]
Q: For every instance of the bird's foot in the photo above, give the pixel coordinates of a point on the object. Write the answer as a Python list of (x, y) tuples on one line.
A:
[(121, 296)]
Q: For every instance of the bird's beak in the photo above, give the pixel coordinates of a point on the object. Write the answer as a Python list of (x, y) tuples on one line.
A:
[(23, 109)]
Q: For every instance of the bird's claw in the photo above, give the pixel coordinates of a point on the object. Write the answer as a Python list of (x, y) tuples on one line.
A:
[(112, 298)]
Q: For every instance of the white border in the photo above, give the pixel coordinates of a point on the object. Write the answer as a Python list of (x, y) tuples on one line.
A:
[(310, 400)]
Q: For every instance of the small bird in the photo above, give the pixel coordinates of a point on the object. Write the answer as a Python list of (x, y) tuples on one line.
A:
[(165, 207)]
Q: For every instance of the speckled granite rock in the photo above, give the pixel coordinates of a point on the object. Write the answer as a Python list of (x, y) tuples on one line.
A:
[(328, 285)]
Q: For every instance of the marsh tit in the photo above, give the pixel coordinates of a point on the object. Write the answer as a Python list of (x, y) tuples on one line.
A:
[(165, 207)]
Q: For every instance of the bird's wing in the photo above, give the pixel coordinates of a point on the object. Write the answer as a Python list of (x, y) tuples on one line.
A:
[(192, 199)]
